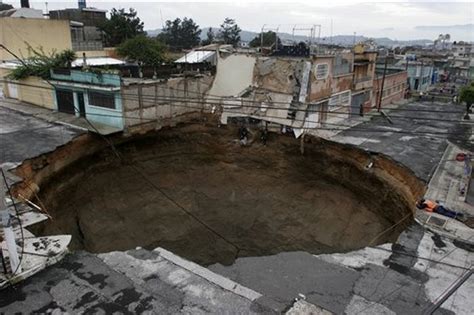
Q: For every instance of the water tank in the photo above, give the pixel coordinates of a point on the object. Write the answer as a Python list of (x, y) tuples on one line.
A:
[(81, 4)]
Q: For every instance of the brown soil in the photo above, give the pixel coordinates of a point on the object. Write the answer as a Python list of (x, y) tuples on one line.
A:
[(244, 201)]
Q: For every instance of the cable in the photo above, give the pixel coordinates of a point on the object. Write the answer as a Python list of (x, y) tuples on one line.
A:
[(219, 101), (390, 228), (374, 129), (352, 129)]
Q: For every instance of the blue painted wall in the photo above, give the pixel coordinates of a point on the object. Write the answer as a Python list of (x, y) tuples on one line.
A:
[(78, 76), (106, 116)]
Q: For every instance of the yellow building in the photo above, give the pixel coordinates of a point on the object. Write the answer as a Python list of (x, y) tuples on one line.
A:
[(18, 33)]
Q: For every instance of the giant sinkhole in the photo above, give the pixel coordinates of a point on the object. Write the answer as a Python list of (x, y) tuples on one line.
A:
[(195, 191)]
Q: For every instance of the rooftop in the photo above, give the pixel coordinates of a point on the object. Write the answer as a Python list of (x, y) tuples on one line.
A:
[(407, 276)]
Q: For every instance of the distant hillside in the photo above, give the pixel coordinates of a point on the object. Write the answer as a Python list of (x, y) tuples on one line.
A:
[(344, 40)]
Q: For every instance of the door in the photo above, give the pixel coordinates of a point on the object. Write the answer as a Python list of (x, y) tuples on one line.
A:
[(65, 101), (12, 90), (81, 105)]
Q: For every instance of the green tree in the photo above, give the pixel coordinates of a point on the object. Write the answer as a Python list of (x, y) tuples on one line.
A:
[(269, 39), (41, 64), (181, 34), (142, 49), (5, 6), (467, 95), (121, 26), (211, 37), (230, 32)]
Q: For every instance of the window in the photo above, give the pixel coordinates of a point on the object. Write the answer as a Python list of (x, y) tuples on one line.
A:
[(322, 71), (341, 99), (102, 99)]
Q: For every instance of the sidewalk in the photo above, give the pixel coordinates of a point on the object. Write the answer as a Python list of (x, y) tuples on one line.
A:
[(58, 117)]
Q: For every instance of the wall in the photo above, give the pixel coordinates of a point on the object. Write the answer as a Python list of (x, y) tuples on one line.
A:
[(107, 52), (36, 91), (31, 90), (321, 88), (50, 35), (163, 103), (84, 82), (79, 76), (394, 88), (234, 74), (422, 74), (106, 116)]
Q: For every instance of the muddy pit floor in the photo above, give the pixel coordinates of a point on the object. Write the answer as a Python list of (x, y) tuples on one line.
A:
[(243, 201)]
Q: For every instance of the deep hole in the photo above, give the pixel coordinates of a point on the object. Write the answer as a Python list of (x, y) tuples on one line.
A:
[(256, 200)]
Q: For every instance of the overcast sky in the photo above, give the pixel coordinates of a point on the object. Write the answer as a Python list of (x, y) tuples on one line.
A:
[(394, 19)]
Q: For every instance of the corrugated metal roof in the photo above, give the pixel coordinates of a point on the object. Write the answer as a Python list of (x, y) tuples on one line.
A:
[(99, 61), (196, 56)]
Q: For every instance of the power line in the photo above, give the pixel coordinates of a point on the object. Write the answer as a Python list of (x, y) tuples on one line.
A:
[(156, 187), (261, 104), (338, 127)]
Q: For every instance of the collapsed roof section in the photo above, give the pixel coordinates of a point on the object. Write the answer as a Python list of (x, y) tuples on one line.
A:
[(280, 89)]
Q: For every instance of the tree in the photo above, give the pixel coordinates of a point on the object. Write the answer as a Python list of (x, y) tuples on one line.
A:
[(121, 26), (5, 6), (210, 37), (269, 39), (467, 95), (181, 34), (230, 32), (41, 64), (142, 49)]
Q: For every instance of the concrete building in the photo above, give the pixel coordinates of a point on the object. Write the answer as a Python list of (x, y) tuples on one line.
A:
[(394, 86), (85, 34), (23, 13), (420, 75), (300, 93), (461, 69), (94, 95), (18, 34), (462, 49), (363, 81)]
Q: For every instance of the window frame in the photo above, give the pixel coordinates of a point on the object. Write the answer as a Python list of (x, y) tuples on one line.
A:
[(317, 71), (91, 95)]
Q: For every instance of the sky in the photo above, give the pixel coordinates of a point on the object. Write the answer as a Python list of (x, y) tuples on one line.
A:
[(400, 20)]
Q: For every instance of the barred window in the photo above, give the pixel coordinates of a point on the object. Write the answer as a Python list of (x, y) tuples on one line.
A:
[(341, 99), (322, 71), (102, 99)]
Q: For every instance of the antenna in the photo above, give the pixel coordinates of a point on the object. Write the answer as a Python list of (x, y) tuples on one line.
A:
[(330, 40), (162, 23)]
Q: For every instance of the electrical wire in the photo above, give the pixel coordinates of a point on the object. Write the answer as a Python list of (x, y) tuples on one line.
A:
[(209, 100), (375, 129)]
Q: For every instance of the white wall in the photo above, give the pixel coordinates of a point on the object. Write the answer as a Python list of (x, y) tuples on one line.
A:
[(234, 74)]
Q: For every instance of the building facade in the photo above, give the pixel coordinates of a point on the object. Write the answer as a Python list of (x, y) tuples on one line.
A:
[(93, 95), (363, 79), (394, 87), (420, 76), (19, 34), (84, 23)]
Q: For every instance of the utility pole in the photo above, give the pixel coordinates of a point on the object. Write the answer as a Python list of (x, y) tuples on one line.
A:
[(7, 237), (379, 105)]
